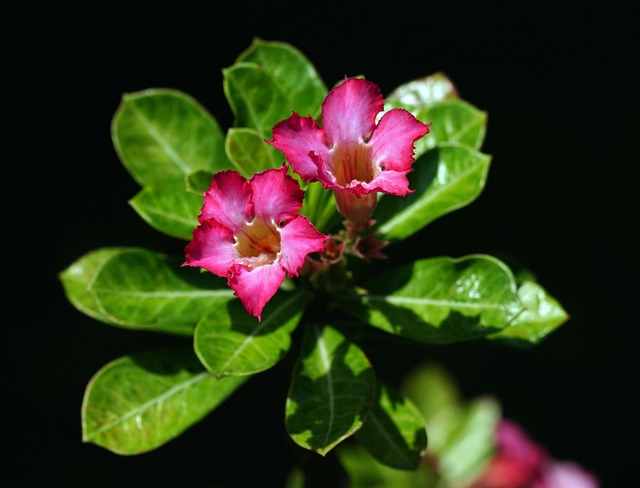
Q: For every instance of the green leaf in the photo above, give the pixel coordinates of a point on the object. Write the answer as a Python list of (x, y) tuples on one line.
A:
[(236, 344), (78, 278), (439, 300), (461, 438), (444, 179), (423, 92), (162, 135), (434, 99), (461, 434), (394, 432), (139, 289), (452, 121), (542, 315), (249, 153), (365, 472), (170, 209), (138, 403), (431, 388), (291, 71), (255, 99), (199, 182), (331, 391)]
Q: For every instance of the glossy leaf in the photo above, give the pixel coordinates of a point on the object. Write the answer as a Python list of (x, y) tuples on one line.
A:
[(394, 432), (452, 121), (78, 278), (140, 402), (542, 315), (161, 135), (444, 179), (249, 153), (170, 209), (140, 289), (423, 92), (331, 390), (434, 99), (237, 344), (291, 71), (439, 300), (256, 100), (199, 182)]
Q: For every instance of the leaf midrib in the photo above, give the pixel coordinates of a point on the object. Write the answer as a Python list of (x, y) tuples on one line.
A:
[(147, 405)]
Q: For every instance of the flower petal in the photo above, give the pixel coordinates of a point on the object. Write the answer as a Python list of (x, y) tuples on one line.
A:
[(227, 200), (275, 195), (211, 248), (391, 182), (566, 474), (392, 141), (298, 238), (298, 138), (515, 443), (255, 287), (349, 110)]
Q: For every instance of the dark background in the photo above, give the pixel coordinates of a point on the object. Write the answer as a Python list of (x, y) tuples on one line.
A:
[(561, 95)]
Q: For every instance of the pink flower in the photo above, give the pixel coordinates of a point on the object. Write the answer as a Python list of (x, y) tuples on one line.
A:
[(521, 463), (249, 233), (351, 154)]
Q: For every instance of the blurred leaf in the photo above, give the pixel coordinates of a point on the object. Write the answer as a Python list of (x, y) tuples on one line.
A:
[(140, 289), (139, 402), (295, 479), (162, 135), (331, 390), (237, 344), (249, 153), (431, 388), (170, 209), (291, 71), (444, 179), (394, 432), (461, 438), (365, 472), (439, 300), (542, 315)]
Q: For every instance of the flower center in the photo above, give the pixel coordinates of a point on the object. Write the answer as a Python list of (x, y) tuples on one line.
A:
[(258, 243), (353, 162)]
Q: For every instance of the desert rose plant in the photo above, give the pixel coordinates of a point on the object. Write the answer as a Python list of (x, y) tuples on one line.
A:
[(284, 220)]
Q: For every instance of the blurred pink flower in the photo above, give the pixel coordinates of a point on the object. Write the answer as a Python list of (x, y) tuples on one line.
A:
[(249, 233), (351, 154), (521, 463)]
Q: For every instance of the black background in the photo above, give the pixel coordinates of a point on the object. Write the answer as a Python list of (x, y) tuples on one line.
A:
[(561, 95)]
